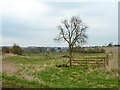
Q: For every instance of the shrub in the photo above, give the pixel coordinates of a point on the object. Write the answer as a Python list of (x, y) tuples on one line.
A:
[(16, 50), (5, 50)]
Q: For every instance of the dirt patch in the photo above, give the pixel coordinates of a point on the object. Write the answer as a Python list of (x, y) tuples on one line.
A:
[(9, 68)]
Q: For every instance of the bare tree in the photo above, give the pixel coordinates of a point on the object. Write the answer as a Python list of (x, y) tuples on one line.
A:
[(73, 31)]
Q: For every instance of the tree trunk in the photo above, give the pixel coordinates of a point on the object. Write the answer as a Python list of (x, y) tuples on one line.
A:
[(70, 55)]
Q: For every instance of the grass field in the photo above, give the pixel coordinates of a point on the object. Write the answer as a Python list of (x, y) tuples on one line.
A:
[(40, 71)]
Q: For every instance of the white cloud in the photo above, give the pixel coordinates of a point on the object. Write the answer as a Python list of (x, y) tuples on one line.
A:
[(24, 7), (79, 0), (41, 39), (100, 17), (11, 41), (26, 10)]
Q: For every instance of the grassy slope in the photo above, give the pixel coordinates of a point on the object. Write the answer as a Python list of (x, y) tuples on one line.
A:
[(40, 71), (15, 82)]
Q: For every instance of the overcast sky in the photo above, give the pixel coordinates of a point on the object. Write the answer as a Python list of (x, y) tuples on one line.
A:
[(34, 23)]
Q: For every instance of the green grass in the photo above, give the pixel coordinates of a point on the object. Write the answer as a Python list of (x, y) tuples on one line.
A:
[(40, 71), (14, 82), (77, 77)]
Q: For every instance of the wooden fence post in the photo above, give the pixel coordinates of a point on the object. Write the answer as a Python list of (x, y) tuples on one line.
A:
[(86, 63), (104, 62), (107, 59)]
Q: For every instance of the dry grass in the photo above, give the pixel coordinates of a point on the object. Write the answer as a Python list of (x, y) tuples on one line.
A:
[(9, 68), (112, 53), (111, 49), (112, 66), (113, 63), (28, 69), (113, 59), (8, 55)]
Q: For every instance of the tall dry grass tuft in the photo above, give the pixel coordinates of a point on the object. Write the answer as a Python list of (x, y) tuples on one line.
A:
[(112, 63)]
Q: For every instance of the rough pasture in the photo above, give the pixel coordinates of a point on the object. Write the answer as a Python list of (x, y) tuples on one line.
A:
[(40, 71)]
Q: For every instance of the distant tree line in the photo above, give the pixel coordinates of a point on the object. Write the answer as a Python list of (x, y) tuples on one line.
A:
[(15, 50), (36, 50), (111, 45), (78, 49)]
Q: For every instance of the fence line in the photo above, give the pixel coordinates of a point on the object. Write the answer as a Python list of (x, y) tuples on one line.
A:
[(89, 61)]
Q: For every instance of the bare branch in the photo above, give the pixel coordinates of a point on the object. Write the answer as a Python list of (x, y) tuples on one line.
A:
[(72, 31), (62, 33)]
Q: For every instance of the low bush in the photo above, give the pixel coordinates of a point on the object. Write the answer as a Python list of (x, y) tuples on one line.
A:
[(16, 50)]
